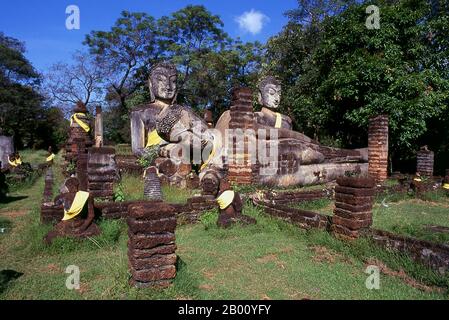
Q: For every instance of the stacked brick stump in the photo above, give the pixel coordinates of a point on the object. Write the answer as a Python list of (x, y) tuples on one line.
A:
[(378, 148), (242, 118), (354, 197), (151, 245)]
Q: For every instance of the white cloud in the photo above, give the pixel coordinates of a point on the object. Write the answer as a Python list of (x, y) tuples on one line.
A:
[(252, 21)]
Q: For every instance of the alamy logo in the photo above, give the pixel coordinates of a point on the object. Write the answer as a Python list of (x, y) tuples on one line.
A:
[(373, 20), (73, 280), (73, 22), (373, 280)]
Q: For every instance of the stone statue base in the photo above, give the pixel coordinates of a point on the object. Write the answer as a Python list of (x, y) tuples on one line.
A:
[(72, 229), (313, 174)]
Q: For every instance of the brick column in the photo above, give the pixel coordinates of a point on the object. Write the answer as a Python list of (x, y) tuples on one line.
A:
[(151, 245), (378, 148), (242, 117), (354, 198), (102, 172), (425, 159)]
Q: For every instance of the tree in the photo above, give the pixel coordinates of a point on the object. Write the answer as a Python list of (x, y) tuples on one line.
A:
[(82, 81), (126, 50), (353, 73)]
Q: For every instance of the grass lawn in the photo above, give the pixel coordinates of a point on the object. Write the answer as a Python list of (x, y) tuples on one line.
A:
[(269, 260)]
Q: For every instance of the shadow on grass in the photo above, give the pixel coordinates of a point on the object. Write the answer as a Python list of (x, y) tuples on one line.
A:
[(8, 200), (6, 276)]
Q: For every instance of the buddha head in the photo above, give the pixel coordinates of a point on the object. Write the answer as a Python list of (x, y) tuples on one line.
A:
[(162, 82), (270, 92)]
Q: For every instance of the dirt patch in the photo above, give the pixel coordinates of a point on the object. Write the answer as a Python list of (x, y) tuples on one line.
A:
[(268, 258), (322, 254), (439, 229), (208, 274), (403, 276), (53, 268), (14, 214), (206, 287)]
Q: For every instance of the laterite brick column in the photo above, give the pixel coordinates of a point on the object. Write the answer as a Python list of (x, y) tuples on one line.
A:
[(378, 148), (242, 117), (151, 245), (102, 172), (354, 197), (425, 161)]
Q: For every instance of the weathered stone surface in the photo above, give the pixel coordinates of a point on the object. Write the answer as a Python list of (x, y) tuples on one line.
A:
[(136, 253), (155, 261), (154, 274), (157, 226), (425, 162), (149, 241)]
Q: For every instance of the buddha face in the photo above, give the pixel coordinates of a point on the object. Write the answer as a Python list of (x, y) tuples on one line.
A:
[(163, 84), (270, 96)]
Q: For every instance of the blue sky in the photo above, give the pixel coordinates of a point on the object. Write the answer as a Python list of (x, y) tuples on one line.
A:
[(41, 23)]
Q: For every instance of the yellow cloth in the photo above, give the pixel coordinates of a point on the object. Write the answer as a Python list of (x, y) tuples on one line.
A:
[(417, 179), (446, 186), (225, 199), (82, 124), (50, 157), (153, 139), (14, 163), (19, 161), (278, 124), (77, 205), (211, 155)]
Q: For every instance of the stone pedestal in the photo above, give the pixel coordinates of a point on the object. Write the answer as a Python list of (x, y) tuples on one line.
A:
[(98, 127), (6, 148), (152, 185), (353, 207), (378, 148), (102, 173), (151, 245), (425, 161), (242, 123)]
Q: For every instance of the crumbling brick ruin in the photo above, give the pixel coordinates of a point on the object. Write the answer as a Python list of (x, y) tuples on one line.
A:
[(151, 246), (425, 161), (378, 148), (354, 199)]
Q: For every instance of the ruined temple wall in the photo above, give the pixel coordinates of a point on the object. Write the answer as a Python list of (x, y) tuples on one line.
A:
[(425, 163)]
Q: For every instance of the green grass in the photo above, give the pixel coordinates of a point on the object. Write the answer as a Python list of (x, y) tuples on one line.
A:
[(132, 187), (411, 217), (323, 206), (34, 157), (269, 260)]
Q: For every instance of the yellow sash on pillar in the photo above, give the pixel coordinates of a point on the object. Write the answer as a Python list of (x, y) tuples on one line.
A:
[(77, 205), (418, 179), (50, 157), (446, 186), (278, 124), (153, 139), (82, 124), (225, 199)]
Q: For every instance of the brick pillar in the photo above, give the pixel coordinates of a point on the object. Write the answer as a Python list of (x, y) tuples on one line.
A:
[(378, 148), (241, 169), (354, 197), (102, 172), (151, 245), (424, 165)]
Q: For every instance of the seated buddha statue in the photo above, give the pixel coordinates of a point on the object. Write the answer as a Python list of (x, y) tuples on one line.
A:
[(78, 220), (174, 128)]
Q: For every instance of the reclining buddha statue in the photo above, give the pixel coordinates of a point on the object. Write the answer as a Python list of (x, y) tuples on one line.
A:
[(302, 160)]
